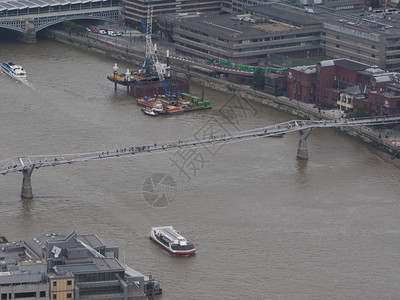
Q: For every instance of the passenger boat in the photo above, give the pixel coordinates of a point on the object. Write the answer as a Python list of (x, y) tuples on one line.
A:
[(13, 70), (149, 111), (171, 240)]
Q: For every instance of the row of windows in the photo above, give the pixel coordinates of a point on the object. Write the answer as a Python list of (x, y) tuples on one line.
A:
[(69, 282), (69, 296), (203, 34), (280, 37), (93, 277), (22, 295), (393, 56)]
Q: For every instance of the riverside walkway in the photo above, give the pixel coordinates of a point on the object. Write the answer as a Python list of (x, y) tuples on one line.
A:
[(26, 164)]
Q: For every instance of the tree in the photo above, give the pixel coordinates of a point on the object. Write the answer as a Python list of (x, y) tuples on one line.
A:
[(360, 112), (375, 3), (259, 78), (73, 27)]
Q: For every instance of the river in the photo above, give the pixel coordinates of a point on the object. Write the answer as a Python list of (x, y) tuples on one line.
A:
[(265, 225)]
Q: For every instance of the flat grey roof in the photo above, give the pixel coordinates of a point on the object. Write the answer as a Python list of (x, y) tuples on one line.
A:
[(284, 12), (230, 27), (92, 240), (350, 64)]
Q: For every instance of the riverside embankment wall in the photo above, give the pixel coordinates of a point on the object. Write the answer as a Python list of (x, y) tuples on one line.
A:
[(302, 110)]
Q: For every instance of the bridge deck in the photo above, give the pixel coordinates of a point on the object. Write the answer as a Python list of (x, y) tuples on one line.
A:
[(21, 163)]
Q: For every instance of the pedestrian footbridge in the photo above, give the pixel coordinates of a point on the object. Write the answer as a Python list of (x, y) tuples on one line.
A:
[(27, 17), (26, 164)]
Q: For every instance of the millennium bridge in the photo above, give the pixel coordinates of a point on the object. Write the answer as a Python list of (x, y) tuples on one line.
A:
[(27, 17), (26, 164)]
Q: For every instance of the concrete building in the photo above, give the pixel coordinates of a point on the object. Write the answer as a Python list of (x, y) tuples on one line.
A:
[(243, 39), (55, 266), (135, 11), (279, 31)]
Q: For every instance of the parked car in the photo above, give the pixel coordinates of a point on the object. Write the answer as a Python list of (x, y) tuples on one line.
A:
[(118, 33), (102, 31), (94, 30)]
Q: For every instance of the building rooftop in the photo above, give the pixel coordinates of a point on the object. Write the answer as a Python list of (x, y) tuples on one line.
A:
[(240, 27), (306, 69), (285, 13), (52, 255), (355, 19), (350, 64)]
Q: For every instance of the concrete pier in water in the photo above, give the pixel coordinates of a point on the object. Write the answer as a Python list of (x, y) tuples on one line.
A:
[(26, 191), (302, 152)]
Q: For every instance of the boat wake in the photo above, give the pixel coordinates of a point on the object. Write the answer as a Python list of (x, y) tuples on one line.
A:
[(28, 83)]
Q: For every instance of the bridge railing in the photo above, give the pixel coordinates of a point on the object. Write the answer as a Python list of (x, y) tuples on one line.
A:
[(22, 162)]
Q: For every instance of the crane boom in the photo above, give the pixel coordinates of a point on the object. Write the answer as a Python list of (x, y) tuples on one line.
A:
[(151, 54)]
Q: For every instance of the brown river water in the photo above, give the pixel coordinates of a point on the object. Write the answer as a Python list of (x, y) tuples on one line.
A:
[(265, 225)]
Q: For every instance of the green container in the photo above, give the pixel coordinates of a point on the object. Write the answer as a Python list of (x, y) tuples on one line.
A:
[(185, 96), (224, 63)]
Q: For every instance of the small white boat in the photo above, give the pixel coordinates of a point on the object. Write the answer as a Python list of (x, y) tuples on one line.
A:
[(171, 240), (13, 70), (158, 108), (149, 111)]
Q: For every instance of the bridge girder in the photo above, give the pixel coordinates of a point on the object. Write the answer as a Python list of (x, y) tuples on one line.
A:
[(41, 21), (17, 27)]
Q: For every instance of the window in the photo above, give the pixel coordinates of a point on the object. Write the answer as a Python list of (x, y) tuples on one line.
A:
[(43, 294), (69, 296), (3, 296), (54, 283), (25, 295), (54, 296), (69, 282), (337, 46)]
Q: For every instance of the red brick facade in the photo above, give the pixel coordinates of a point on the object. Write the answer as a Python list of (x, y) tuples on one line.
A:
[(330, 82)]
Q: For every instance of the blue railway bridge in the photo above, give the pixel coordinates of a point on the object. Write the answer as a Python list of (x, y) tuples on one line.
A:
[(27, 17)]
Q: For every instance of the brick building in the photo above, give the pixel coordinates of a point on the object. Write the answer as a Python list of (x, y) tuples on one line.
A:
[(301, 84), (346, 85)]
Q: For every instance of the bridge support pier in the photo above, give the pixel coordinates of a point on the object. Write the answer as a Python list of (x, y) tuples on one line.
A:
[(26, 191), (302, 152), (30, 33)]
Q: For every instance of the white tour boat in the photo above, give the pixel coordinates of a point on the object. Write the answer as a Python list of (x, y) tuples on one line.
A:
[(171, 240), (149, 111), (13, 70)]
